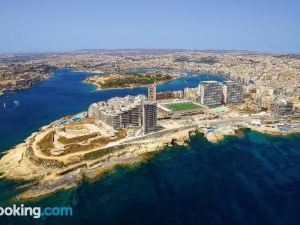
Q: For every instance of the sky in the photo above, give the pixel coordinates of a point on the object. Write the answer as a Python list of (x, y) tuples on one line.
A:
[(66, 25)]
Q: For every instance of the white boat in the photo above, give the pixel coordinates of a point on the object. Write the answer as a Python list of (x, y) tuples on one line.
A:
[(4, 105)]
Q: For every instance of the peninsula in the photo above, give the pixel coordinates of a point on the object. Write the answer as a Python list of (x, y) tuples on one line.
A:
[(115, 81), (125, 131), (261, 93)]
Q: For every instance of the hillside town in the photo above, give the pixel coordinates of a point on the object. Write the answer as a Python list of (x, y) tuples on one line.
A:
[(280, 72), (17, 73)]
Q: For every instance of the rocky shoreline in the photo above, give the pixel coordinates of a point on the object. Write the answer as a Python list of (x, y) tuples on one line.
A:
[(15, 166)]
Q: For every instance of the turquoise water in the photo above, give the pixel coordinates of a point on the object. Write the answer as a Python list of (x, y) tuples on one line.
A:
[(250, 180)]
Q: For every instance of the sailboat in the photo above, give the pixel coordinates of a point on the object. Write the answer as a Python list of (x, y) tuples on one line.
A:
[(4, 105)]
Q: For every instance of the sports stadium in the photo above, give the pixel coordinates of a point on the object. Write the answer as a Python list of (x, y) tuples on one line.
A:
[(181, 108)]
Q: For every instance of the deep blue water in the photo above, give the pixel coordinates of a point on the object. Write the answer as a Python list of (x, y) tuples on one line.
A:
[(63, 94), (250, 180), (241, 181)]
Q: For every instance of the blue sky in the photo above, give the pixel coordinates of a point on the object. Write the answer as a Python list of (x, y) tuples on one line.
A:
[(63, 25)]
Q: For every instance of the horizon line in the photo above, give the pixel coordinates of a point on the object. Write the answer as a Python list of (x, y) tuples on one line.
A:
[(150, 49)]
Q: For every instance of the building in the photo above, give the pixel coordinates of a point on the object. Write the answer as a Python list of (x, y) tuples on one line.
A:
[(282, 107), (119, 112), (211, 93), (164, 95), (149, 117), (129, 111), (191, 94), (114, 120), (177, 94), (100, 111), (132, 116), (152, 92), (232, 92)]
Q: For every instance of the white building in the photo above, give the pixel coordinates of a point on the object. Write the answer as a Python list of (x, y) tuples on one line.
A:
[(119, 112)]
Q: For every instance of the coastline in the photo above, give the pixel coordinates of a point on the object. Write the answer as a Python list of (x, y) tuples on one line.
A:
[(27, 86), (19, 164), (15, 166), (197, 73), (98, 86)]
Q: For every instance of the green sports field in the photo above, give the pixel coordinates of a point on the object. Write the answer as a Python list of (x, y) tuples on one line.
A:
[(182, 106)]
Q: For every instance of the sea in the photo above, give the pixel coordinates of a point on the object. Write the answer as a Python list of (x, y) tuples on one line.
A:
[(246, 179)]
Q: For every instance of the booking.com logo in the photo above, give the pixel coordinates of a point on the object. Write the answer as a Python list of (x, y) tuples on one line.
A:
[(35, 212)]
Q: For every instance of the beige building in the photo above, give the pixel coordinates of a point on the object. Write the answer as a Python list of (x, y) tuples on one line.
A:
[(152, 92), (191, 94)]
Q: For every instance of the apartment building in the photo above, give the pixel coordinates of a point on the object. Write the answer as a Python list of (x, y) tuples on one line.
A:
[(149, 117), (210, 93), (232, 92)]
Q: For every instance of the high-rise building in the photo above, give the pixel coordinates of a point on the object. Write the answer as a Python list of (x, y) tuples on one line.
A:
[(149, 117), (119, 112), (114, 120), (232, 92), (211, 93), (152, 92), (132, 116)]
